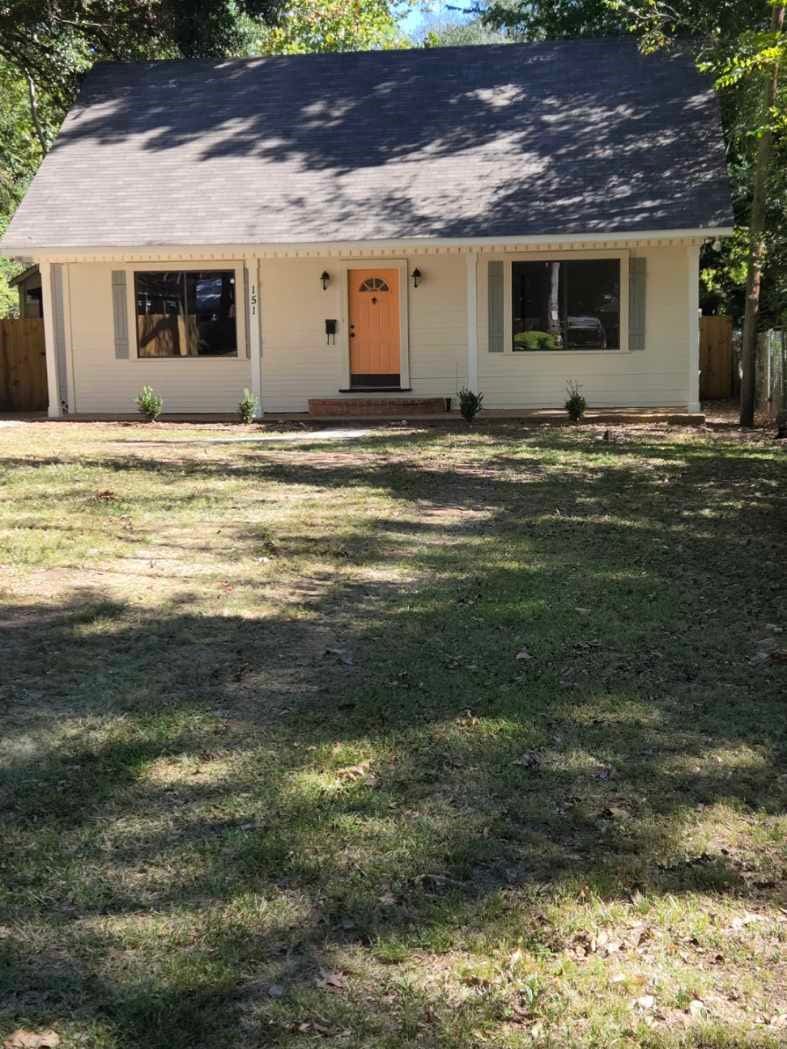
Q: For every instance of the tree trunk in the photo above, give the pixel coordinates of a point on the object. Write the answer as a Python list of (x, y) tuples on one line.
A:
[(757, 241)]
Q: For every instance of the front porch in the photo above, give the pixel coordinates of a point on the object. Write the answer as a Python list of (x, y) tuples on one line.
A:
[(306, 332), (671, 416)]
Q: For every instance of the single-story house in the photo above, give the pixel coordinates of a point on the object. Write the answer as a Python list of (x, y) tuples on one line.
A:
[(383, 225)]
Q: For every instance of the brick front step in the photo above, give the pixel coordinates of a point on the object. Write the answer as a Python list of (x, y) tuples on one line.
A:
[(398, 406)]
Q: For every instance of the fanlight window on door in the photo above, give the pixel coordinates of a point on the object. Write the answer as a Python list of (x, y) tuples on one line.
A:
[(374, 284)]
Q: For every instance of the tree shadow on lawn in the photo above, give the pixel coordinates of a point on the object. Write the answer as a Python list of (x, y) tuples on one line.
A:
[(188, 814)]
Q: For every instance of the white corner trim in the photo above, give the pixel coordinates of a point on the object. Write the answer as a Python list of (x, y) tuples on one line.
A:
[(255, 333), (55, 409), (472, 322), (69, 342), (693, 289)]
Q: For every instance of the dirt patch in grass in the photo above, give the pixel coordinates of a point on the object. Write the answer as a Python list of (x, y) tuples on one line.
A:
[(435, 738)]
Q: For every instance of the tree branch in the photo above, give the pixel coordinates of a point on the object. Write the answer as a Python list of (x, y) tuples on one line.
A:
[(32, 97)]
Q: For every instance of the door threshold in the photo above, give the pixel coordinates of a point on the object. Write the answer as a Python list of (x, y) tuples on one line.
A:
[(376, 389)]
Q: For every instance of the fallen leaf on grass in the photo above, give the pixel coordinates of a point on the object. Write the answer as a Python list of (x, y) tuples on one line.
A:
[(333, 981), (22, 1039), (468, 720), (638, 935), (354, 773), (743, 920), (647, 1001), (530, 760), (602, 773), (307, 1026), (342, 656)]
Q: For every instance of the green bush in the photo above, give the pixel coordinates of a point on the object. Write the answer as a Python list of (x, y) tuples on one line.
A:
[(535, 340), (247, 407), (149, 403), (469, 403), (575, 404)]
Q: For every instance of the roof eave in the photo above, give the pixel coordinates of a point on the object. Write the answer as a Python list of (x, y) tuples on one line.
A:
[(414, 244)]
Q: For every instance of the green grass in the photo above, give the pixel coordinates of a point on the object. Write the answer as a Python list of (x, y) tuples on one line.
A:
[(273, 774)]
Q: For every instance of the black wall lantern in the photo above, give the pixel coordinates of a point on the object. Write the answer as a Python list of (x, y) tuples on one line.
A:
[(325, 277), (416, 275)]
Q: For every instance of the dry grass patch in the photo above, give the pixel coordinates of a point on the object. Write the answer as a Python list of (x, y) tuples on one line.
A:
[(428, 738)]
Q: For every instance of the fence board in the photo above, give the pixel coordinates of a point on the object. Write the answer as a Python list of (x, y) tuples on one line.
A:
[(716, 364), (23, 386), (771, 373)]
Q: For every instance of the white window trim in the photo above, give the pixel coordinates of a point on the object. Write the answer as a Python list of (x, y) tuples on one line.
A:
[(563, 256), (208, 264), (401, 266)]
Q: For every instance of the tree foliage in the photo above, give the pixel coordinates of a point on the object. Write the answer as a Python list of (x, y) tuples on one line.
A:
[(731, 41), (453, 30), (46, 45), (327, 25), (52, 40), (445, 33), (555, 19)]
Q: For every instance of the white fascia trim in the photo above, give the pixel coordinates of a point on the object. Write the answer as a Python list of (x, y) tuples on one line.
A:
[(320, 249)]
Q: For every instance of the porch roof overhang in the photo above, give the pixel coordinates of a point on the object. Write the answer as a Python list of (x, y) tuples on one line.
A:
[(371, 248)]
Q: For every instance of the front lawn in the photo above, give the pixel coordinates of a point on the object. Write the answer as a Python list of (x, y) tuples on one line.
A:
[(427, 738)]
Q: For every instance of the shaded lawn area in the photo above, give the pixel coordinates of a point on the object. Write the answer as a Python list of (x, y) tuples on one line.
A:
[(432, 738)]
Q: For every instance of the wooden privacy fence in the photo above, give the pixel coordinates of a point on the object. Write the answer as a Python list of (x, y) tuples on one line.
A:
[(22, 365), (716, 358)]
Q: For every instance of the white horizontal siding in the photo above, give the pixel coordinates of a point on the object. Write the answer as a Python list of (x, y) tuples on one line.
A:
[(104, 384), (657, 375), (298, 364)]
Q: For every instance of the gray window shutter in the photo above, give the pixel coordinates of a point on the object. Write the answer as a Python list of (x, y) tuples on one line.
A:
[(120, 313), (495, 306), (637, 289)]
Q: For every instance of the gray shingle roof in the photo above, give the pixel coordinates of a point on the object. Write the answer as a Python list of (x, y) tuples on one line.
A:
[(513, 140)]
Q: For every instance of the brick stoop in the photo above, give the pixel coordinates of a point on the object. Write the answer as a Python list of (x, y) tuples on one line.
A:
[(396, 406)]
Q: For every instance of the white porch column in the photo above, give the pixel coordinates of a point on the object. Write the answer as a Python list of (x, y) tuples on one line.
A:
[(255, 334), (693, 267), (472, 322), (55, 409)]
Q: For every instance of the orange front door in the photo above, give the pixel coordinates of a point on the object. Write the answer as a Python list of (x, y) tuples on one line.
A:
[(374, 327)]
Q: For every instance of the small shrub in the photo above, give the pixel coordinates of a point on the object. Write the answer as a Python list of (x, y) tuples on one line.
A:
[(535, 340), (149, 403), (576, 403), (247, 407), (469, 403)]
